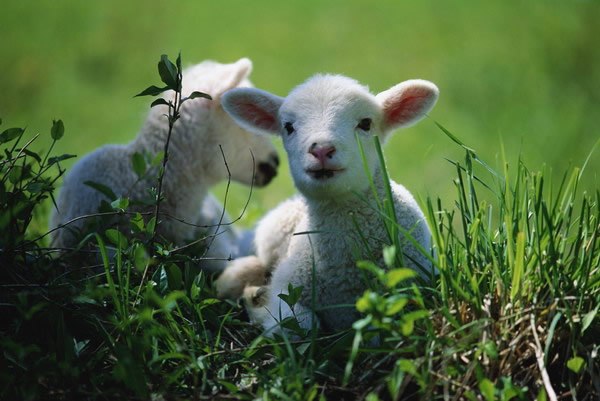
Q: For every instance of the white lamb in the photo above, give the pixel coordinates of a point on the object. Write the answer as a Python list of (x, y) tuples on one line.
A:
[(318, 122), (195, 164)]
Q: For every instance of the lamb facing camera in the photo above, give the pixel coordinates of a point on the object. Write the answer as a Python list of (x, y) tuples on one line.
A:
[(195, 164), (318, 123)]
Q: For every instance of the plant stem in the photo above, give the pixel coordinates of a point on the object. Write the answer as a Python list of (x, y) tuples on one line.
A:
[(173, 117)]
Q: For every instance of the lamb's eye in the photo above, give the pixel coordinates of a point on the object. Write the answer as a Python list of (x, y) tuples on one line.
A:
[(289, 128), (364, 124)]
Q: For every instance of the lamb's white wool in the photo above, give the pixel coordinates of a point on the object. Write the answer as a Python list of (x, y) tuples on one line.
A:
[(195, 163), (318, 122)]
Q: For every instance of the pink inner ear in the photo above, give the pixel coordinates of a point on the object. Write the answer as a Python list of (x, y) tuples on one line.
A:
[(258, 116), (409, 105)]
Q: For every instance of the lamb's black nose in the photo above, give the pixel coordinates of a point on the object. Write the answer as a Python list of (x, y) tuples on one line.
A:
[(266, 173)]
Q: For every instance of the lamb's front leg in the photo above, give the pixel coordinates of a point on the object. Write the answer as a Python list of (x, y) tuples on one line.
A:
[(267, 309), (241, 273), (273, 235)]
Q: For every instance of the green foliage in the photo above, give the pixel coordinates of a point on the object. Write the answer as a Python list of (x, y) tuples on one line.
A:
[(27, 178), (515, 300)]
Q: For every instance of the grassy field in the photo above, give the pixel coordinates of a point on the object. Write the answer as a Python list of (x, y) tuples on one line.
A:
[(516, 74), (513, 315)]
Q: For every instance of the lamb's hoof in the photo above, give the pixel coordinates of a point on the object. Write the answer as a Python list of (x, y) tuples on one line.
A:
[(255, 297)]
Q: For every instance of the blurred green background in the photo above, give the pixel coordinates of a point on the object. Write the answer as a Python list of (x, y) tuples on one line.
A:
[(525, 75)]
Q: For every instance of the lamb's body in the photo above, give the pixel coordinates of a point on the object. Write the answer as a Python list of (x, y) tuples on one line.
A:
[(335, 212), (335, 245), (195, 164)]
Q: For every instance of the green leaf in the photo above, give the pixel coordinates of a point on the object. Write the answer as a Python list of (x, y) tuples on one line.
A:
[(576, 364), (209, 301), (518, 266), (137, 222), (152, 91), (15, 175), (291, 323), (158, 158), (395, 276), (159, 101), (10, 134), (58, 129), (541, 395), (362, 323), (487, 389), (197, 94), (162, 285), (56, 159), (489, 347), (178, 61), (372, 397), (302, 348), (101, 188), (116, 238), (138, 163), (408, 321), (371, 267), (36, 187), (120, 203), (168, 72), (293, 295), (407, 327), (150, 225), (407, 366), (140, 258), (588, 318), (31, 154), (231, 388), (389, 255), (454, 138), (363, 303), (174, 276), (509, 390), (195, 292), (396, 306)]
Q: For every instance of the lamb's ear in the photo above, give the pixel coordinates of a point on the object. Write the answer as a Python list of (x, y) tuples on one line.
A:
[(233, 76), (406, 103), (253, 109)]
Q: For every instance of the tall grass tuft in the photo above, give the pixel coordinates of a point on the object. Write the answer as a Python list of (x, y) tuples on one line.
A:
[(519, 284), (513, 313)]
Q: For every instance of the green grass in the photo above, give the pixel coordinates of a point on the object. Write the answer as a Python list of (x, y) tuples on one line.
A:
[(515, 224), (515, 73), (512, 315)]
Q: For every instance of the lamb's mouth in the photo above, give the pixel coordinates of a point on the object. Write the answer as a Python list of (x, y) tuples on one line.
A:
[(324, 173)]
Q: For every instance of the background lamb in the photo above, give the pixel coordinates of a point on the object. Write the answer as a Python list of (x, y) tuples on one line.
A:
[(195, 163), (318, 122)]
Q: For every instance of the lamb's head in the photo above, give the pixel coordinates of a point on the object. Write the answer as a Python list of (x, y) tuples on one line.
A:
[(320, 120), (240, 147)]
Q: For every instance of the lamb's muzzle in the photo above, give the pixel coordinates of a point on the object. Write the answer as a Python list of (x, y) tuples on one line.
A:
[(322, 152)]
